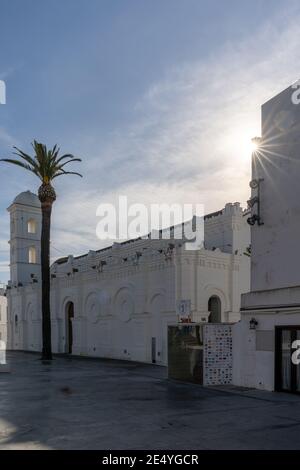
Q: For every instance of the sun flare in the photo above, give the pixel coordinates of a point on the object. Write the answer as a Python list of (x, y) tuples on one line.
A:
[(240, 144), (253, 146)]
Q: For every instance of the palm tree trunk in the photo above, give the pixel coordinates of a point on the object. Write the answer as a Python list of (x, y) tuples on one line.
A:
[(45, 265)]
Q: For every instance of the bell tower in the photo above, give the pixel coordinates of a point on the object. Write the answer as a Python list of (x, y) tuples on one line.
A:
[(25, 238)]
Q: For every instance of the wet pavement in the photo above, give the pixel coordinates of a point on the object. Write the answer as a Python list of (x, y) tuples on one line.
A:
[(75, 403)]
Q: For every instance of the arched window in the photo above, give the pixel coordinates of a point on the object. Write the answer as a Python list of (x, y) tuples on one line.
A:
[(214, 307), (31, 226), (32, 255)]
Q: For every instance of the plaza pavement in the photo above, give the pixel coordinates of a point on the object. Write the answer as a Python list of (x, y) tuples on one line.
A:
[(77, 403)]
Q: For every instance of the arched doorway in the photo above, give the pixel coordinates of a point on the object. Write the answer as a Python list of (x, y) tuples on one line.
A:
[(214, 307), (159, 330), (69, 327)]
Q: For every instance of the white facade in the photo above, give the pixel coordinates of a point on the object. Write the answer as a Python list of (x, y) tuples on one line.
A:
[(3, 314), (274, 299), (25, 229), (118, 301)]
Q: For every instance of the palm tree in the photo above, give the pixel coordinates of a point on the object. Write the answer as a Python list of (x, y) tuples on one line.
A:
[(46, 165)]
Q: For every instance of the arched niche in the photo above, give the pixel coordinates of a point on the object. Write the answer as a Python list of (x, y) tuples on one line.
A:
[(215, 309)]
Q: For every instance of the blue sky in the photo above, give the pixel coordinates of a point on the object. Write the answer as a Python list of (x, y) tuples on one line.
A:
[(159, 97)]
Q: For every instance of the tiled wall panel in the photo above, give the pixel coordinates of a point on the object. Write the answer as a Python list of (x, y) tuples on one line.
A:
[(217, 357)]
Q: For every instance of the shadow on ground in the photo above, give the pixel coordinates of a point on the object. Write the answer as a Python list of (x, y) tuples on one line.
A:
[(76, 403)]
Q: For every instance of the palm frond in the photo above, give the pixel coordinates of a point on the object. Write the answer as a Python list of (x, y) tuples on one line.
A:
[(69, 161), (18, 163), (46, 164), (67, 173), (31, 161), (63, 157), (25, 156)]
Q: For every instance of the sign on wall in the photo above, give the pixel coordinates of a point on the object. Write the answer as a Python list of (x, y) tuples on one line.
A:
[(184, 310)]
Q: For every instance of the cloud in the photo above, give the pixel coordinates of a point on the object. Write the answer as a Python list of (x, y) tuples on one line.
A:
[(4, 266), (4, 241), (191, 125), (188, 138), (6, 138)]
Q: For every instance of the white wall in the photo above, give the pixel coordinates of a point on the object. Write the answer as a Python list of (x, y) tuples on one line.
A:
[(117, 312), (252, 367), (21, 241), (227, 229), (119, 309), (275, 245), (203, 274), (275, 274), (3, 316)]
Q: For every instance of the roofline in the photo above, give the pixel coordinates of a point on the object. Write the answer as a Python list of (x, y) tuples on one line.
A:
[(64, 259), (21, 204), (279, 93), (213, 214)]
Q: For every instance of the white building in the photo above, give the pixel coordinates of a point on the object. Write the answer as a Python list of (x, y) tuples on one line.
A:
[(117, 302), (262, 354), (3, 313)]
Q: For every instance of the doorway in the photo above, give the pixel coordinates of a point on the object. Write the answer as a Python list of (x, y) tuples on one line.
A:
[(287, 373), (153, 350), (214, 307), (69, 327)]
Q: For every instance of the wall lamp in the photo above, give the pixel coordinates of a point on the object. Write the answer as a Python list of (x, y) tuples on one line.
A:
[(255, 218), (99, 267), (251, 202), (255, 183), (252, 220), (253, 324)]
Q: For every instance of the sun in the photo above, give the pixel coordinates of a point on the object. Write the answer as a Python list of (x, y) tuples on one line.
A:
[(240, 144), (247, 144), (253, 145)]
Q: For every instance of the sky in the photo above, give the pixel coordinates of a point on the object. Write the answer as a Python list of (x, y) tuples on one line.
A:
[(159, 98)]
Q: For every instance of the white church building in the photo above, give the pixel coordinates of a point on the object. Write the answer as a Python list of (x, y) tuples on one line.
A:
[(117, 302)]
